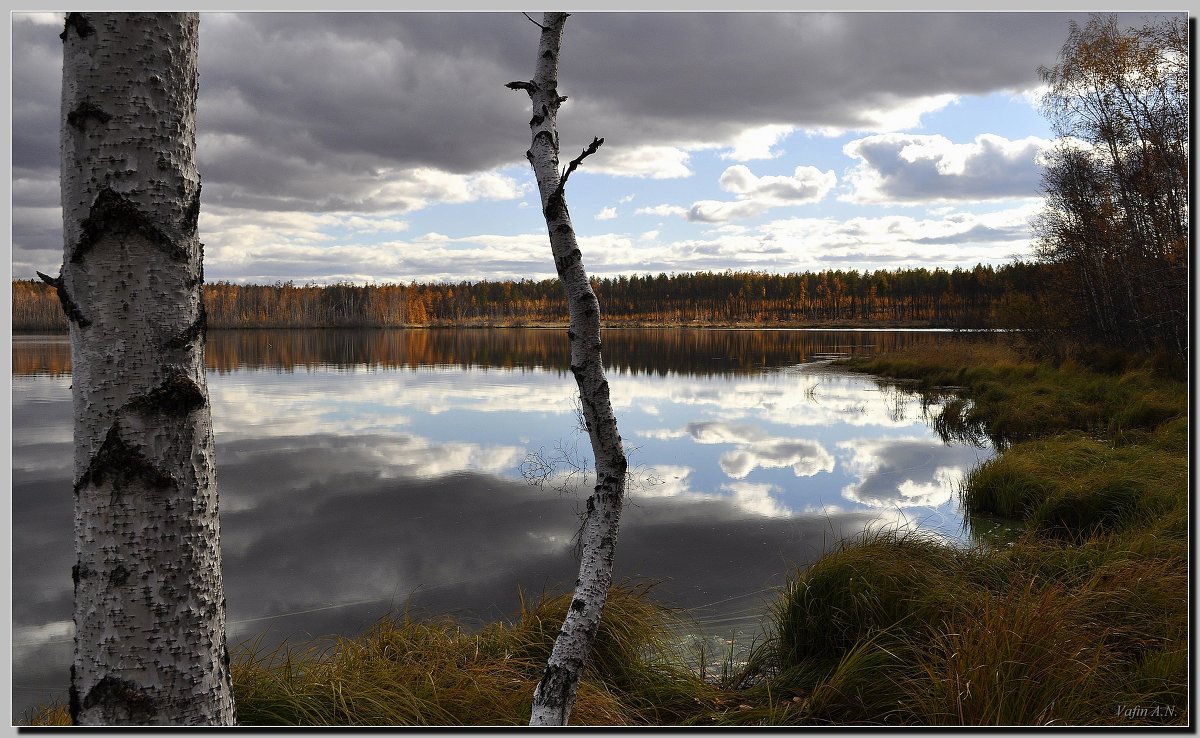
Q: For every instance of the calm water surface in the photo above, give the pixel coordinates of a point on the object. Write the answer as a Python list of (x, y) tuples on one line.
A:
[(367, 472)]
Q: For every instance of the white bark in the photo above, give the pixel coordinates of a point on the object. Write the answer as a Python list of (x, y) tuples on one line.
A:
[(149, 605), (555, 693)]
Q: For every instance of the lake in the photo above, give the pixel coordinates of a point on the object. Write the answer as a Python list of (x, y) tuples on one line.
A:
[(364, 472)]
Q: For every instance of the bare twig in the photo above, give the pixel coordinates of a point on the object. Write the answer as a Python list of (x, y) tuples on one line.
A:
[(531, 20), (591, 149)]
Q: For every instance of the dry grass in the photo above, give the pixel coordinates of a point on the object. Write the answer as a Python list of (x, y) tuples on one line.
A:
[(1017, 399), (1085, 613), (54, 715), (405, 672)]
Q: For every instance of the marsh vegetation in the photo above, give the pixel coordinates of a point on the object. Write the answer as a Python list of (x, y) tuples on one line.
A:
[(1078, 621)]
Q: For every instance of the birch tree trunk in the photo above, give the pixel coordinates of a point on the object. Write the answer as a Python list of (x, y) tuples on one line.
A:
[(149, 606), (555, 693)]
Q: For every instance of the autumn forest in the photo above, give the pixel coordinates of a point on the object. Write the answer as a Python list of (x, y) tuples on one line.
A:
[(982, 297)]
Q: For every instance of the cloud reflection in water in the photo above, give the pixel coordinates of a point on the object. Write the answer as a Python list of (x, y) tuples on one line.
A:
[(905, 472), (352, 490)]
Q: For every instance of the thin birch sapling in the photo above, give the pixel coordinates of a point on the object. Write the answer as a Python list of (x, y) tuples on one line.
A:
[(555, 693)]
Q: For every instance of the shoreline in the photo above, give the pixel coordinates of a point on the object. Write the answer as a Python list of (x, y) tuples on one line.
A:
[(619, 324), (1081, 620)]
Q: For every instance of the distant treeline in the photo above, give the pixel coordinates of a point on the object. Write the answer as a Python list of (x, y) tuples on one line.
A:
[(652, 351), (984, 296)]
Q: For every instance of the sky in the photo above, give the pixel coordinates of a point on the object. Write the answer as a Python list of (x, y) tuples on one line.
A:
[(383, 147)]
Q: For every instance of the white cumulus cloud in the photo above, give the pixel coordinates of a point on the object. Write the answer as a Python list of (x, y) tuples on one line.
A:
[(756, 195), (661, 210), (909, 168), (647, 162), (757, 143)]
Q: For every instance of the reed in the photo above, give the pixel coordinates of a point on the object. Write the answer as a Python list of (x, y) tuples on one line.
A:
[(1019, 399), (409, 672), (1022, 656), (887, 585), (1074, 487), (1083, 620)]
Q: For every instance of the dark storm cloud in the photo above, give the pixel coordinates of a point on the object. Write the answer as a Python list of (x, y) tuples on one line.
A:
[(695, 74), (325, 111), (356, 92), (34, 187), (36, 241), (36, 82)]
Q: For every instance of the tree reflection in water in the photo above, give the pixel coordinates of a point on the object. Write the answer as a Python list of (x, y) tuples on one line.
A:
[(364, 471)]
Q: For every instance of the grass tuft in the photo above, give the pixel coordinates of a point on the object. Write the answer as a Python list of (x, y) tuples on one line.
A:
[(408, 672), (1082, 620), (1024, 656), (1073, 487), (885, 585)]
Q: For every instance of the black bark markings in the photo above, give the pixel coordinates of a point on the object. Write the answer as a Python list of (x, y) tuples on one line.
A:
[(122, 464), (73, 699), (566, 262), (118, 575), (79, 573), (557, 681), (74, 314), (556, 207), (83, 27), (113, 214), (198, 328), (541, 134), (77, 118), (585, 299), (177, 396), (191, 215), (113, 694)]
